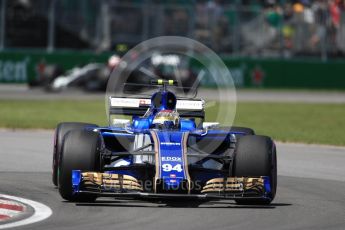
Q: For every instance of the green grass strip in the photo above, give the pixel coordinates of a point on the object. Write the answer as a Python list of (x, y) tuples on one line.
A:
[(293, 122)]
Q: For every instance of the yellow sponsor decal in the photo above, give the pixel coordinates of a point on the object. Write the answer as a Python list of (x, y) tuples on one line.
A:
[(234, 184), (111, 180)]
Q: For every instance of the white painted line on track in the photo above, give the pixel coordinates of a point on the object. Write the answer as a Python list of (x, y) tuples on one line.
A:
[(41, 212)]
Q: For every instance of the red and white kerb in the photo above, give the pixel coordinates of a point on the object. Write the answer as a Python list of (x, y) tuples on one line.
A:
[(10, 209)]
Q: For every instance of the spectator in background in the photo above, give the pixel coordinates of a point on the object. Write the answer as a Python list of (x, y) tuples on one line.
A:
[(334, 11), (211, 24), (298, 24), (288, 29), (321, 20), (298, 7), (218, 23), (274, 16), (340, 39), (308, 13), (270, 3), (202, 32)]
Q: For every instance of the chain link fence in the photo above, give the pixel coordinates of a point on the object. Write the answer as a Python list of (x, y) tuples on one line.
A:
[(233, 29)]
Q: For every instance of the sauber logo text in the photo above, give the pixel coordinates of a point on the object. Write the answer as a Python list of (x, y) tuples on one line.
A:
[(170, 143)]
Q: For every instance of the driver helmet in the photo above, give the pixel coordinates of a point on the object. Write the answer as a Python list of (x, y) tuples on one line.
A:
[(166, 119)]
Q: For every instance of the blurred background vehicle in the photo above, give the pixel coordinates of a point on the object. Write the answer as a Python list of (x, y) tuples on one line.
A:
[(262, 42), (90, 77)]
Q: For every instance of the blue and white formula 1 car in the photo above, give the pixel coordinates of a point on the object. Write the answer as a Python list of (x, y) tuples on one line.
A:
[(162, 153)]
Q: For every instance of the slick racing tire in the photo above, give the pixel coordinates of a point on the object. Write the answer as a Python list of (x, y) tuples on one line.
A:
[(80, 151), (256, 156), (60, 132)]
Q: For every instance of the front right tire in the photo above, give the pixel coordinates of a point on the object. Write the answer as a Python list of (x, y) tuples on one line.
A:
[(80, 151), (61, 130)]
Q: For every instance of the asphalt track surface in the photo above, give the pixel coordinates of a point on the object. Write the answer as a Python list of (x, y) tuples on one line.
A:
[(311, 193)]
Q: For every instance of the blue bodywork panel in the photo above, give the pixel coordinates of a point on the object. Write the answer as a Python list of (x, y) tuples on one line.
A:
[(171, 157)]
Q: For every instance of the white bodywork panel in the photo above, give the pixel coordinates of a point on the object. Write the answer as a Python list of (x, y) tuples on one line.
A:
[(210, 125), (181, 104)]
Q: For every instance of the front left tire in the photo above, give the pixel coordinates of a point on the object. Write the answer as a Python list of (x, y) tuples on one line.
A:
[(256, 156)]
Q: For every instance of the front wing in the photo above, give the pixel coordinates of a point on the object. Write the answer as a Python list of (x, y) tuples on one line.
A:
[(119, 185)]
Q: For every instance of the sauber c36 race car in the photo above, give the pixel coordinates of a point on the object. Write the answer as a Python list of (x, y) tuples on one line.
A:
[(162, 152)]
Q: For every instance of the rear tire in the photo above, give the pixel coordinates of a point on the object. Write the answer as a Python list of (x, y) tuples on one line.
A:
[(256, 156), (80, 151), (60, 132)]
